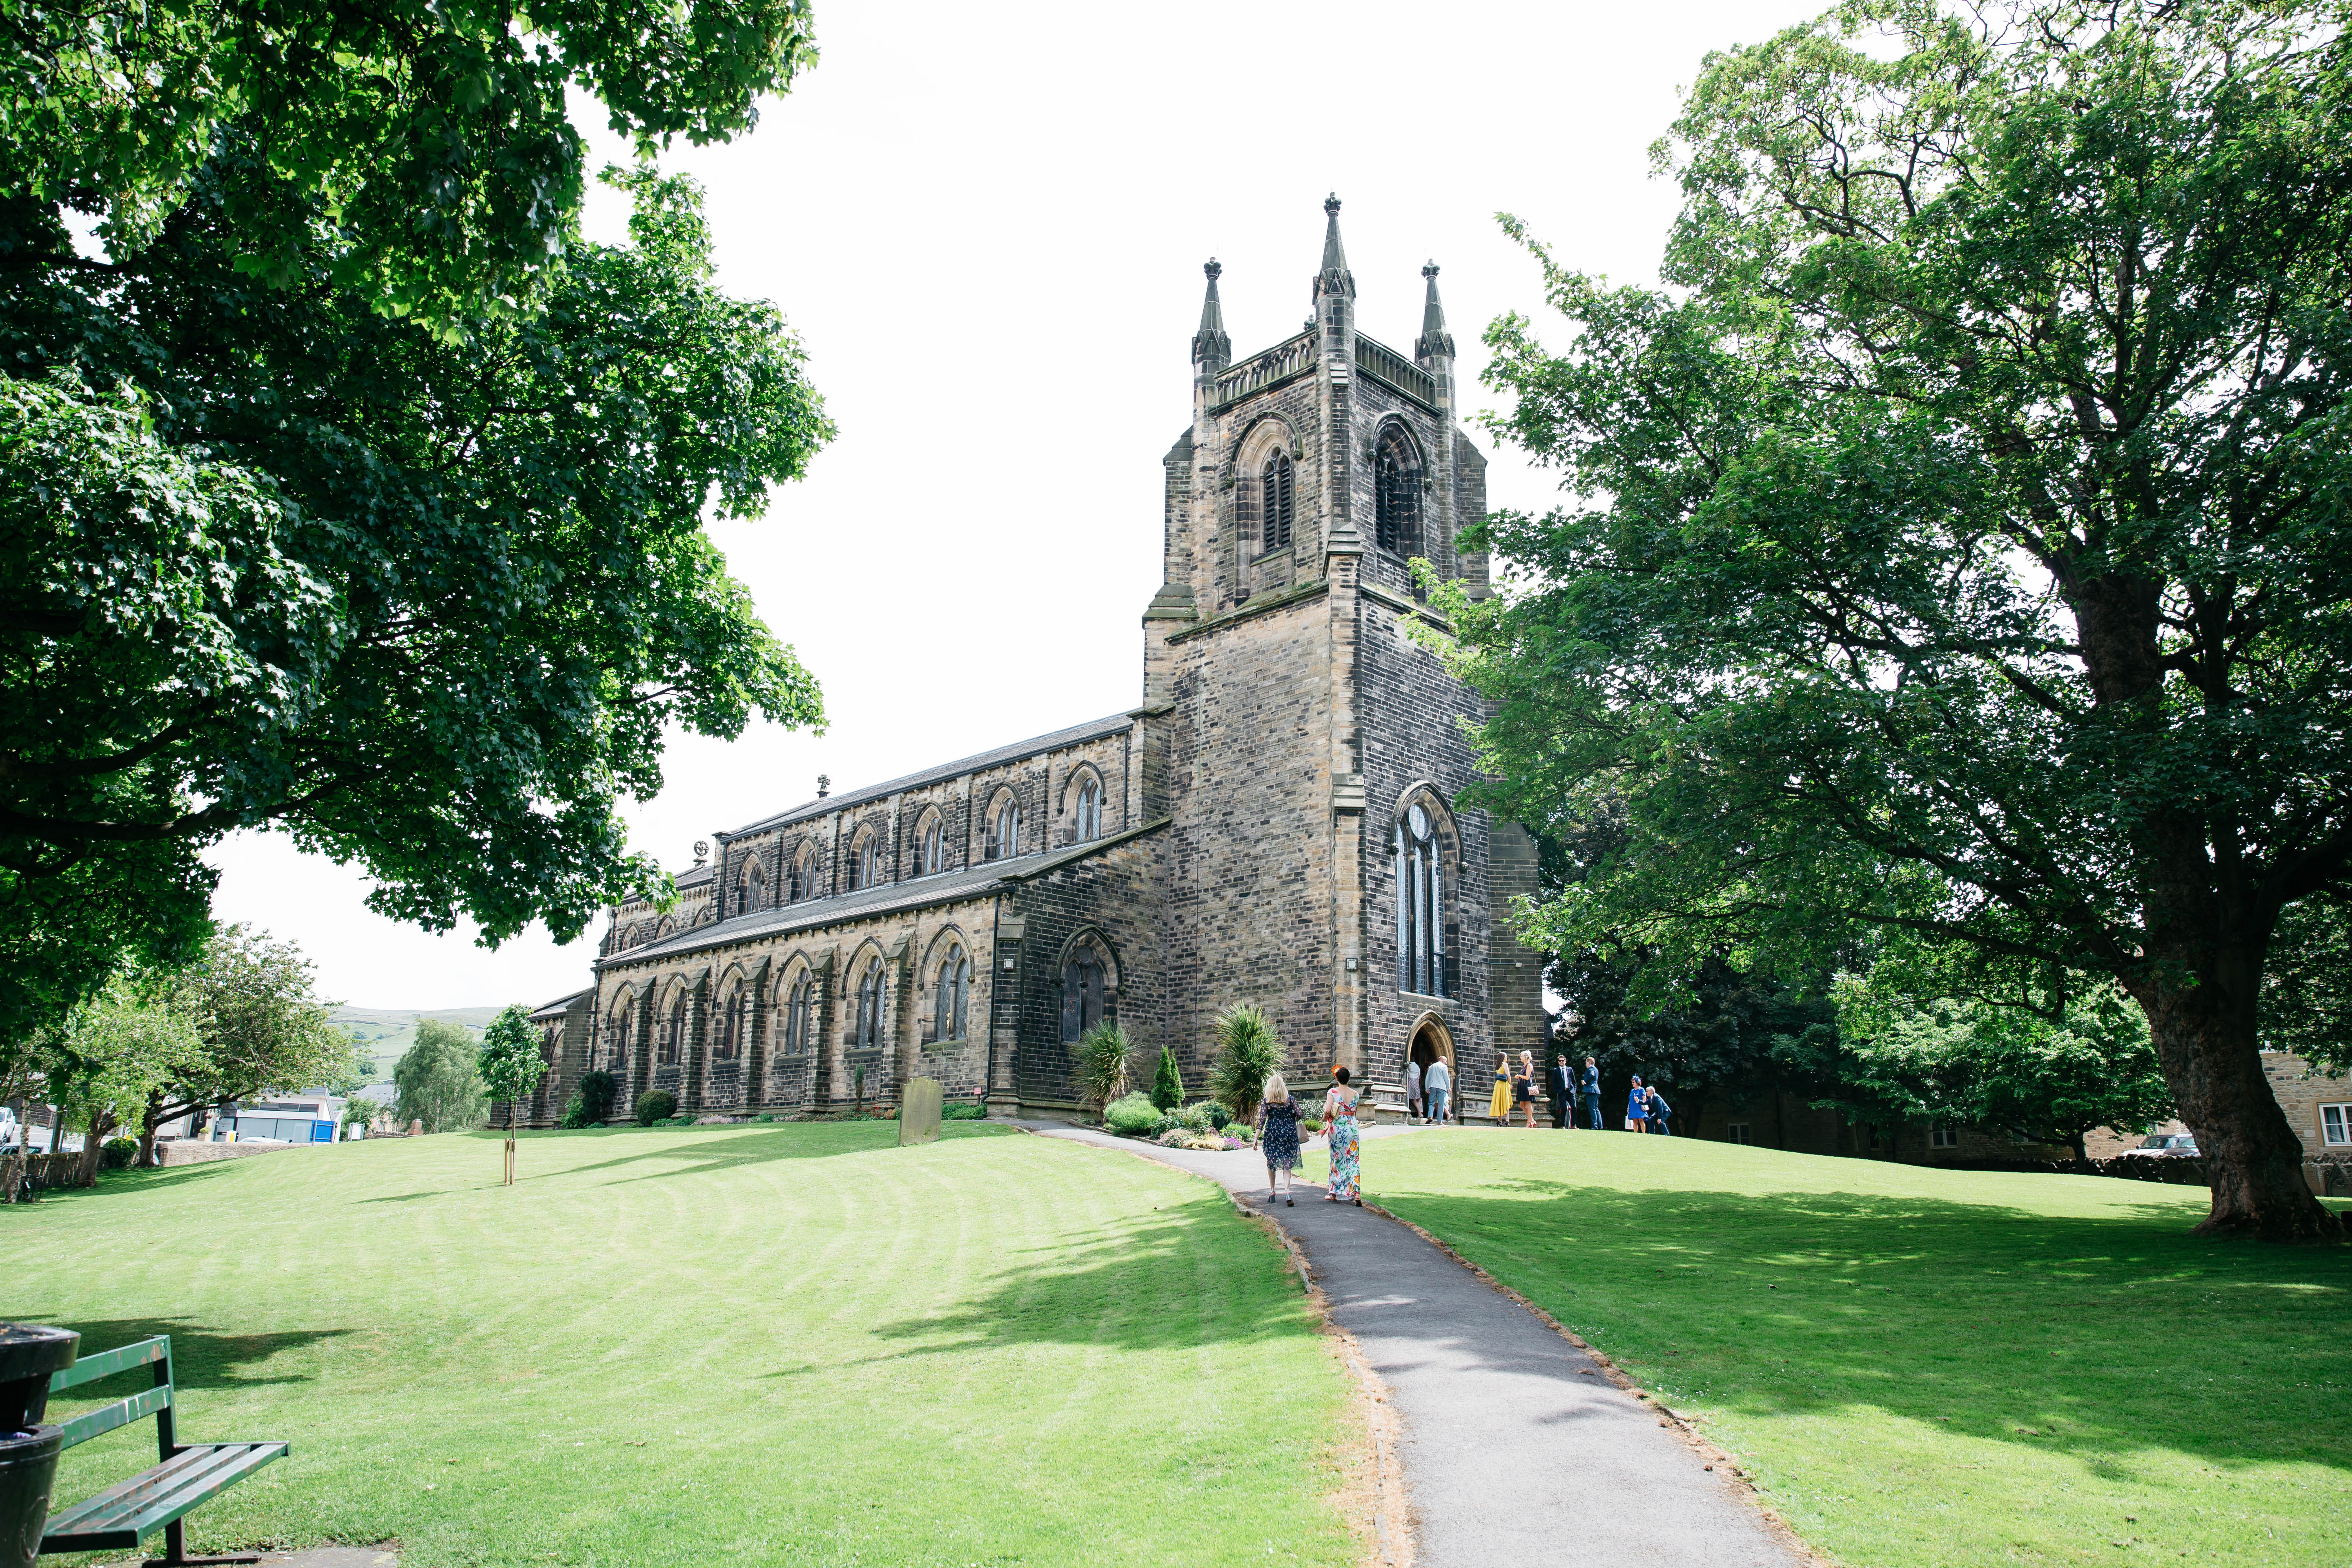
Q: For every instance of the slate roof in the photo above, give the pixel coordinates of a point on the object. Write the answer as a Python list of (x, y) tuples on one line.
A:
[(1055, 740), (946, 888), (560, 1003)]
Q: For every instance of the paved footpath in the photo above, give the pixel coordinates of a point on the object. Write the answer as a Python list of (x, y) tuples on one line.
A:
[(1517, 1449)]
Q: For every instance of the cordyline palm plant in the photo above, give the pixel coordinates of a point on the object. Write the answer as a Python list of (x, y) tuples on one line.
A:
[(1103, 1053), (1246, 1054)]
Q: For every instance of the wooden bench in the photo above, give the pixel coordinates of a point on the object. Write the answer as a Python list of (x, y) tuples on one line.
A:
[(186, 1474)]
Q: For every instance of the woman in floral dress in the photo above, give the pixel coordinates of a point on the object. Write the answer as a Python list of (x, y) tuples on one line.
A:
[(1277, 1135), (1339, 1121)]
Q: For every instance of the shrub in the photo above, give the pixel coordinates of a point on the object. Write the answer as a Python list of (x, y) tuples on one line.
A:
[(1131, 1117), (1247, 1052), (116, 1153), (1194, 1116), (1168, 1083), (655, 1105), (597, 1093), (1103, 1053), (1310, 1124), (1219, 1116), (964, 1111)]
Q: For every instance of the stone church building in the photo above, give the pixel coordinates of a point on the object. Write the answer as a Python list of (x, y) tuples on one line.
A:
[(1277, 821)]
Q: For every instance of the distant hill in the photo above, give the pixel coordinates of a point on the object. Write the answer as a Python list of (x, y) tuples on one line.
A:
[(387, 1032)]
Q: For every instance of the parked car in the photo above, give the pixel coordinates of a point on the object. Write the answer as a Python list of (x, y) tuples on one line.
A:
[(2164, 1146)]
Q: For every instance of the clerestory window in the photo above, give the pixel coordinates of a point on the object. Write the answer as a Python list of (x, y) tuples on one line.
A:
[(931, 851), (755, 888), (866, 861), (803, 875), (1087, 821), (1005, 828), (1278, 501)]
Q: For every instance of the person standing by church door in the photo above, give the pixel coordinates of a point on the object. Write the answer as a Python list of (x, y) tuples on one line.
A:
[(1587, 1088), (1498, 1104), (1412, 1091), (1436, 1084), (1555, 1089)]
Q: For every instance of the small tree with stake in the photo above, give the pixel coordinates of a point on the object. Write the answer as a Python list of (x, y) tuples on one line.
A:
[(510, 1069)]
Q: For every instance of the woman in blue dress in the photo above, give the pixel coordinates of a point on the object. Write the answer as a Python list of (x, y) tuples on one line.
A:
[(1637, 1109), (1339, 1121), (1277, 1135)]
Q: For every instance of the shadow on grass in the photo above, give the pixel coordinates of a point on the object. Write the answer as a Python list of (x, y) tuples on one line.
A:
[(800, 1141), (200, 1359), (1172, 1280), (2098, 1336)]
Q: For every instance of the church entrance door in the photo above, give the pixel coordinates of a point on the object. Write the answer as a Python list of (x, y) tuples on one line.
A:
[(1430, 1043)]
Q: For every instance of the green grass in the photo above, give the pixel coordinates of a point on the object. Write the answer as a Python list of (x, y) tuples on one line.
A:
[(788, 1345), (1925, 1367)]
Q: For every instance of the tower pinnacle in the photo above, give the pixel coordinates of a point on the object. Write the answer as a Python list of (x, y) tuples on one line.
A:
[(1335, 278), (1435, 341), (1212, 349)]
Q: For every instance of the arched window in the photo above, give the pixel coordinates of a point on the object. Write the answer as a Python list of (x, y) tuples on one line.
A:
[(1086, 975), (803, 882), (866, 861), (611, 1050), (1420, 904), (931, 847), (1086, 824), (954, 989), (673, 1033), (799, 1002), (1396, 497), (868, 1034), (734, 1023), (1004, 827), (1278, 501), (755, 888)]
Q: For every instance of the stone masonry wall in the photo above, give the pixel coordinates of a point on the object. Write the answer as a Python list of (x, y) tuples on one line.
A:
[(1246, 868)]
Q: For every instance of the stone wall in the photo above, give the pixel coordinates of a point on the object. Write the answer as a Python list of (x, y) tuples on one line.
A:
[(2303, 1094)]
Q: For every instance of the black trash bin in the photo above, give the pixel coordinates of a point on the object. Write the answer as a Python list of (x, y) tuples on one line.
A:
[(28, 1451)]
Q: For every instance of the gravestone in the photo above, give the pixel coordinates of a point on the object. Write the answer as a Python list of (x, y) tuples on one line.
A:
[(918, 1111)]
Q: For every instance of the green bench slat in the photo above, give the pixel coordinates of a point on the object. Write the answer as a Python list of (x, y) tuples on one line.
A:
[(122, 1412), (120, 1515), (91, 1368)]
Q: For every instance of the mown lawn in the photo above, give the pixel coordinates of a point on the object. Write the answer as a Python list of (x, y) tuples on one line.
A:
[(1928, 1367), (795, 1344)]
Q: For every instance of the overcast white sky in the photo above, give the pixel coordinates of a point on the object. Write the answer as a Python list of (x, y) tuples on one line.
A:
[(987, 223)]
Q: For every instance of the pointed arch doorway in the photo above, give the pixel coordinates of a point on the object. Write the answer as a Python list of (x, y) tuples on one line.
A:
[(1432, 1042)]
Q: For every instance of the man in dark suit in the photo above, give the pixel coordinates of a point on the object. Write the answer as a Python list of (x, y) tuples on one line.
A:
[(1556, 1085)]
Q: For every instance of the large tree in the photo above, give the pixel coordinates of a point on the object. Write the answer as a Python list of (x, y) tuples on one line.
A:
[(347, 491), (1958, 552)]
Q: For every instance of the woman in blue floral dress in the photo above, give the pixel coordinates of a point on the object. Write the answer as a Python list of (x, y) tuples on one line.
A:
[(1278, 1136), (1340, 1118)]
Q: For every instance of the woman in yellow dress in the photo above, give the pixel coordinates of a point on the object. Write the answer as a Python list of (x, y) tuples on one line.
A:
[(1500, 1107)]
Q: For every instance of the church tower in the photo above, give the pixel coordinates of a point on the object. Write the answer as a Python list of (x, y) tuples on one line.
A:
[(1306, 748)]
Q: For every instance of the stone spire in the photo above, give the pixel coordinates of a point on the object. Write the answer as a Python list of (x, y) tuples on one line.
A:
[(1211, 350), (1335, 278), (1435, 341)]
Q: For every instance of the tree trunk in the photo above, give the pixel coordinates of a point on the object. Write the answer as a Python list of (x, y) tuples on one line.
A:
[(2204, 1039)]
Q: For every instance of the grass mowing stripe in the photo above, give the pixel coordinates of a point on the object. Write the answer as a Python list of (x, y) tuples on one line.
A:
[(1928, 1367), (793, 1344)]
